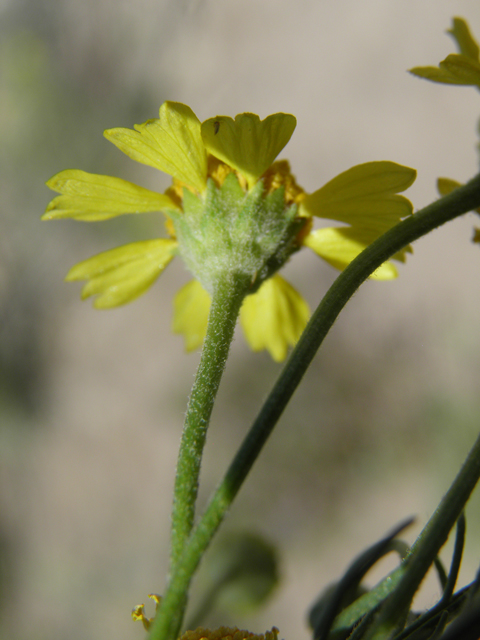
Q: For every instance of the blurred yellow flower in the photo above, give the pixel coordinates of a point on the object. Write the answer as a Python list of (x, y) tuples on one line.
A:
[(231, 208), (462, 68), (457, 68), (228, 633)]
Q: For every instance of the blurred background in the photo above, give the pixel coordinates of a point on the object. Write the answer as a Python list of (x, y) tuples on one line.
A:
[(92, 402)]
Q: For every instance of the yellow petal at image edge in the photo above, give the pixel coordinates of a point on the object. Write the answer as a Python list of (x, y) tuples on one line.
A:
[(455, 69), (91, 197), (364, 194), (461, 33), (274, 317), (190, 318), (171, 143), (248, 144), (339, 246), (435, 74), (120, 275)]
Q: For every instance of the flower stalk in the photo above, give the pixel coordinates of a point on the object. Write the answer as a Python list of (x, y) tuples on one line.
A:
[(226, 302)]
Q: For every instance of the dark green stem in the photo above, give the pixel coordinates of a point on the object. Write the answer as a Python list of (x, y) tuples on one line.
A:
[(226, 302), (447, 208), (428, 544)]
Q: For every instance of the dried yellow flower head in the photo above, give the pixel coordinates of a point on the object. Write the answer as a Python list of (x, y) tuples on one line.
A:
[(228, 633)]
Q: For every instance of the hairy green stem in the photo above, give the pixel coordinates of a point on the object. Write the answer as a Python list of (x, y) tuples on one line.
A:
[(447, 208), (226, 303)]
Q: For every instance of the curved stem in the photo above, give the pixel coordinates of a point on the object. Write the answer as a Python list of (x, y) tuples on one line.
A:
[(447, 208)]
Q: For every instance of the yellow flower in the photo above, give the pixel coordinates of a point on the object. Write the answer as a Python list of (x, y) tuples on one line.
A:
[(232, 208), (462, 68)]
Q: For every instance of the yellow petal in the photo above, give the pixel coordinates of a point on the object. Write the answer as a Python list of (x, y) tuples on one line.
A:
[(274, 317), (339, 246), (120, 275), (91, 197), (248, 144), (435, 74), (190, 318), (455, 69), (466, 44), (464, 69), (138, 613), (364, 195), (172, 143), (446, 186)]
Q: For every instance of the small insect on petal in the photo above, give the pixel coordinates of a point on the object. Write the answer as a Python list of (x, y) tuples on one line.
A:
[(216, 127)]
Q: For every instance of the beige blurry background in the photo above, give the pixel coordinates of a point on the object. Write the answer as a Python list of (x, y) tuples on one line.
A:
[(92, 402)]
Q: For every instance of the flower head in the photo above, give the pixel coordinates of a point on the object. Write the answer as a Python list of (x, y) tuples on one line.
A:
[(457, 68), (228, 633), (231, 208), (201, 633)]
